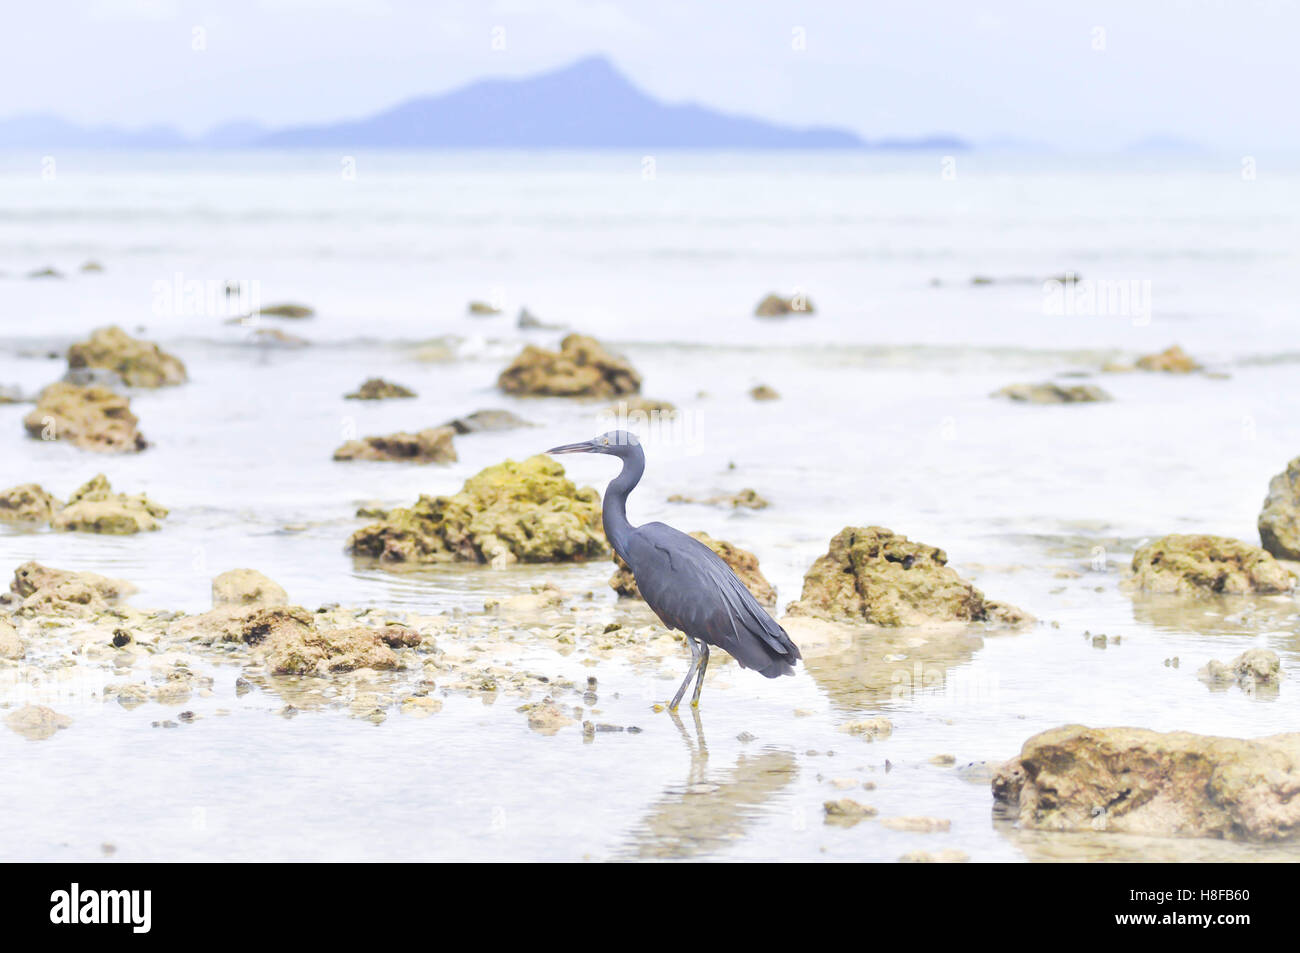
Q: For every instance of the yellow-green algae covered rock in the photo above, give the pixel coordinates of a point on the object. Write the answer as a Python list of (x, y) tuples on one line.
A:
[(139, 363), (872, 574), (526, 512), (1196, 564), (95, 508)]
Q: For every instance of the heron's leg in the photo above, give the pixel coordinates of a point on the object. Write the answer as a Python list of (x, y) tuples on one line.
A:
[(699, 677), (695, 663)]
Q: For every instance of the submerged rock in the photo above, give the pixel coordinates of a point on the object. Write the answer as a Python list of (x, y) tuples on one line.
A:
[(1172, 360), (1050, 393), (138, 363), (776, 306), (95, 508), (1136, 781), (431, 445), (482, 421), (1279, 520), (1192, 565), (92, 418), (530, 322), (246, 587), (482, 309), (847, 810), (526, 511), (742, 562), (745, 499), (36, 722), (581, 368), (763, 392), (871, 574), (27, 503), (274, 337), (376, 388), (291, 651)]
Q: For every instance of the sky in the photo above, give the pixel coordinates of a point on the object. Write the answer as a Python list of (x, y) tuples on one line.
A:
[(1070, 75)]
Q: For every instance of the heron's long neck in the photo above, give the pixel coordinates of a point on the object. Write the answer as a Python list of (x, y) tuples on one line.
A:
[(614, 510)]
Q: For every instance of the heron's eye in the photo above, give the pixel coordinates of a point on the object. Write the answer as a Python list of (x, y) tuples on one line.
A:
[(605, 441)]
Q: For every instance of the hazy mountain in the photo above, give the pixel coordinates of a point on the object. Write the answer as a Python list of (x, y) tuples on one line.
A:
[(588, 105), (50, 132)]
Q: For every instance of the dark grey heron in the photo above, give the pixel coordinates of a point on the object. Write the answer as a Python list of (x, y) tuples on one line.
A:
[(688, 585)]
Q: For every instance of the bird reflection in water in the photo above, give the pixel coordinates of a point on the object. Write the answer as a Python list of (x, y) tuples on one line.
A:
[(712, 809)]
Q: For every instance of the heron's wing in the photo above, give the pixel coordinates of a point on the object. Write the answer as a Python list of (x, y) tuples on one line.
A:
[(691, 588)]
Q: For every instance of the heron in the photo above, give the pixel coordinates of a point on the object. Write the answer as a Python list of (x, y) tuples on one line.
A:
[(688, 585)]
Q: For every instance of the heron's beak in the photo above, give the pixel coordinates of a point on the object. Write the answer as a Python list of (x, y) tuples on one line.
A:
[(585, 447)]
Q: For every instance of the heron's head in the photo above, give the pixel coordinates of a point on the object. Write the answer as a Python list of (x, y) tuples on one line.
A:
[(616, 442)]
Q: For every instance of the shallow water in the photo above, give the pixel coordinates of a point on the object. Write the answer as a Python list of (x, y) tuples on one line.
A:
[(884, 419)]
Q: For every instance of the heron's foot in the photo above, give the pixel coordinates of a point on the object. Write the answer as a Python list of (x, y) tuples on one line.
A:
[(659, 706)]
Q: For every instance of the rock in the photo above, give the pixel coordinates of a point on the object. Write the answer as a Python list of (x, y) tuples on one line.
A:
[(949, 856), (763, 392), (1050, 393), (138, 363), (847, 809), (745, 499), (869, 728), (775, 306), (31, 577), (11, 646), (421, 706), (1192, 565), (27, 503), (1136, 781), (10, 395), (1173, 360), (529, 512), (251, 624), (546, 718), (871, 574), (1279, 520), (431, 445), (293, 651), (246, 587), (36, 722), (92, 418), (581, 368), (47, 591), (91, 267), (483, 421), (95, 508), (45, 273), (917, 824), (296, 311), (482, 309), (742, 562), (376, 388), (1252, 669)]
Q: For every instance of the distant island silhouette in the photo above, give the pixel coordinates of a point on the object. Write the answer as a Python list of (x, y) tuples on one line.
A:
[(587, 105)]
